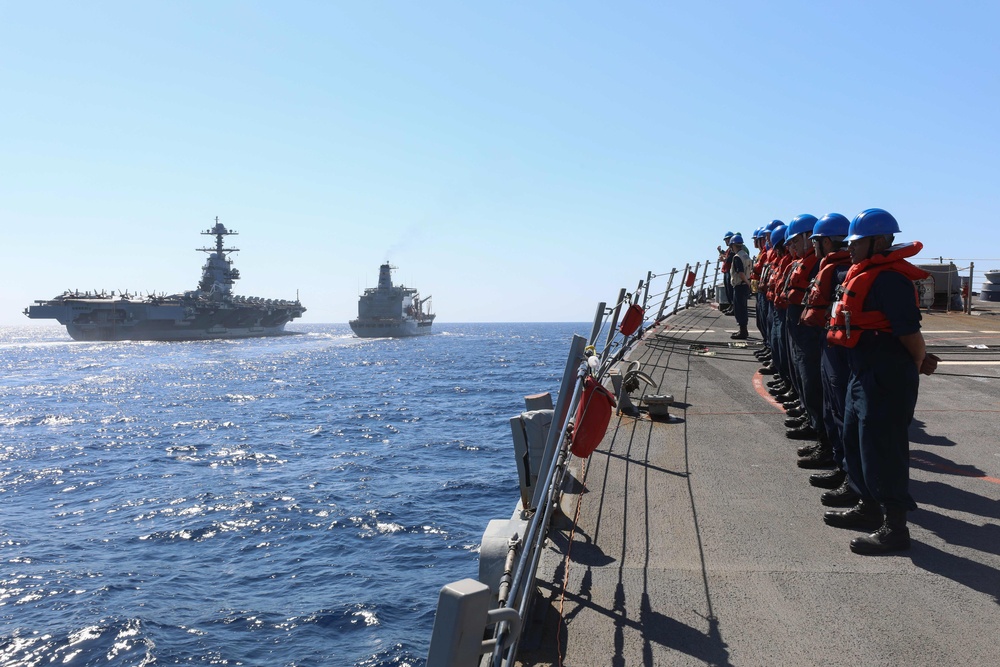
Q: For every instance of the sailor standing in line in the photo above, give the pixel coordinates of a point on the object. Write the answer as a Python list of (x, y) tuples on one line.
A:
[(804, 343), (726, 257), (779, 341), (828, 242), (740, 267), (761, 274), (877, 319)]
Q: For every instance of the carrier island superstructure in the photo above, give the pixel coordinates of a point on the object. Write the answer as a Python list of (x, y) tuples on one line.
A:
[(391, 311), (210, 311)]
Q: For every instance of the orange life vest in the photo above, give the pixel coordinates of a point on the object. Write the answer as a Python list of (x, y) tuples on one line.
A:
[(728, 259), (758, 266), (797, 283), (848, 318), (820, 294), (776, 286)]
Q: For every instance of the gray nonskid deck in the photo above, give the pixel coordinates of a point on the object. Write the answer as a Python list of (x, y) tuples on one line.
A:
[(699, 541)]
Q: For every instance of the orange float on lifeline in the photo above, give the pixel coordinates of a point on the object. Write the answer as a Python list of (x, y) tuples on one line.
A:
[(632, 319), (592, 418)]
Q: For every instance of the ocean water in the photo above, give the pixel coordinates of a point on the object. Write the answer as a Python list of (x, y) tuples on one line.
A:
[(286, 501)]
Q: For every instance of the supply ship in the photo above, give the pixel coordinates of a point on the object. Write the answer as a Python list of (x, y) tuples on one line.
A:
[(210, 311), (391, 311)]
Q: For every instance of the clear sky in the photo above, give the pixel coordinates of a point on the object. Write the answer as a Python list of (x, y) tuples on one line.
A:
[(519, 161)]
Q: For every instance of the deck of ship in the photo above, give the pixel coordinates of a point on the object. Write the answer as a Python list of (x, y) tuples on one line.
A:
[(699, 541)]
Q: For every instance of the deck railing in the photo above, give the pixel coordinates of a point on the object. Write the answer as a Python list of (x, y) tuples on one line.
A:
[(464, 608)]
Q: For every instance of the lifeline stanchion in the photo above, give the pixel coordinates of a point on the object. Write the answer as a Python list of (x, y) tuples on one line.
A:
[(968, 291), (666, 294), (680, 288), (704, 276), (645, 294)]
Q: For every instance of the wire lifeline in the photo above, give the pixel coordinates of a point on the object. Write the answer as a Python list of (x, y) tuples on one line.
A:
[(566, 562)]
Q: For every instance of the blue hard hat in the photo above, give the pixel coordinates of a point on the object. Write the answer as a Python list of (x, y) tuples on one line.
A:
[(799, 225), (872, 222), (773, 224), (737, 238), (832, 224), (778, 235), (757, 232), (728, 234)]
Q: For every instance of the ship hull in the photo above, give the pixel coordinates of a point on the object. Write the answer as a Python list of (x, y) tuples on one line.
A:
[(390, 328), (169, 333), (106, 320)]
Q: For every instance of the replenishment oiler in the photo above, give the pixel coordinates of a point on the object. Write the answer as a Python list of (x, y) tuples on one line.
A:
[(210, 311), (391, 311)]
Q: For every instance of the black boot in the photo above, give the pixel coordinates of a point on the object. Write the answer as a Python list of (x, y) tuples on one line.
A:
[(805, 432), (843, 496), (827, 480), (795, 412), (821, 458), (866, 515), (790, 395), (742, 334), (806, 450), (794, 422), (892, 536)]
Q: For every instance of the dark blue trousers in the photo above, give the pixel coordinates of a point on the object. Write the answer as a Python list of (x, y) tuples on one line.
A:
[(740, 295), (761, 306), (779, 344), (835, 373), (878, 408), (805, 354)]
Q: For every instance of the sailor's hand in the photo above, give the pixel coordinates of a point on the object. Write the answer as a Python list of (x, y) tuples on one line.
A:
[(929, 364)]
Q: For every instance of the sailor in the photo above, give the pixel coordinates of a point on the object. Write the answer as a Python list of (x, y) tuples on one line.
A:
[(779, 364), (759, 276), (804, 343), (739, 278), (829, 245), (726, 256), (877, 318)]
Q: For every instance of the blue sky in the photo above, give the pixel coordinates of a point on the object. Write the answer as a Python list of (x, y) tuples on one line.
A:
[(518, 161)]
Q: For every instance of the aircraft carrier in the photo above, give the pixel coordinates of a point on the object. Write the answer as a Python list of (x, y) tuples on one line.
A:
[(210, 311), (391, 311)]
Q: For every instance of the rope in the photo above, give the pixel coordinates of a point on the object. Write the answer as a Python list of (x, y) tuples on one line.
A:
[(566, 562)]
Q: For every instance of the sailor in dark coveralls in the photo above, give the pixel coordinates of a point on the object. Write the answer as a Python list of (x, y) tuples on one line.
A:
[(738, 278), (828, 241), (878, 320), (726, 256)]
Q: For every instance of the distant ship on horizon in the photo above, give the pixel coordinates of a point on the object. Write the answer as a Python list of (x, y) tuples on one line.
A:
[(391, 311), (208, 312)]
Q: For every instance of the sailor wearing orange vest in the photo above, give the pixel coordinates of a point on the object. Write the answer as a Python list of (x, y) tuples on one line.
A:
[(877, 319), (761, 272), (780, 362), (804, 343), (828, 243)]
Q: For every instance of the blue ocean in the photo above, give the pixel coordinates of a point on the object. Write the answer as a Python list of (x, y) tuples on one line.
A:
[(286, 501)]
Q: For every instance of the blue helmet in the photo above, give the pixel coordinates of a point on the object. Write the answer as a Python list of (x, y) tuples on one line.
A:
[(737, 238), (773, 225), (800, 224), (872, 222), (778, 235), (728, 234), (757, 232), (832, 224)]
